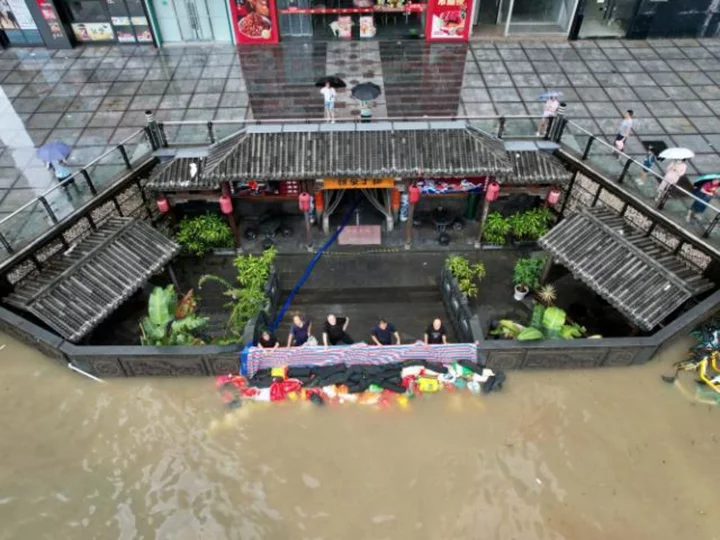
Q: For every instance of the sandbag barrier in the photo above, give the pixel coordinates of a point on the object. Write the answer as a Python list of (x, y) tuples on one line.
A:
[(365, 384)]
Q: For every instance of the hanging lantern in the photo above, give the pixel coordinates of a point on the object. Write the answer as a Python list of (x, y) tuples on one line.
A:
[(304, 202), (414, 194), (553, 196), (395, 200), (163, 204), (492, 192), (226, 204), (319, 202)]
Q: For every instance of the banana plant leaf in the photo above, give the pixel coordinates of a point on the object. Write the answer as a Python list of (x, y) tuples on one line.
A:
[(530, 334), (537, 316), (552, 322), (508, 329), (161, 305), (571, 331)]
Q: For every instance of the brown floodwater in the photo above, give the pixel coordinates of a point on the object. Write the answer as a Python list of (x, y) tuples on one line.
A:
[(606, 454)]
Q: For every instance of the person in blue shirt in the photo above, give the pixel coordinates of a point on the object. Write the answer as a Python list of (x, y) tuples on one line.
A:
[(650, 160), (62, 173), (383, 333), (300, 331)]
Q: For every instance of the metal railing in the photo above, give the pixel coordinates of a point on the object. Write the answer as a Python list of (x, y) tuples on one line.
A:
[(44, 212), (642, 182)]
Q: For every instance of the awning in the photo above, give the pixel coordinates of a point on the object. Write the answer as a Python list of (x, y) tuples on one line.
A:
[(637, 276), (74, 292)]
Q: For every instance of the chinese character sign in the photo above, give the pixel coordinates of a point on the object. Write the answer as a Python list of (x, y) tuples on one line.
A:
[(254, 21), (448, 20)]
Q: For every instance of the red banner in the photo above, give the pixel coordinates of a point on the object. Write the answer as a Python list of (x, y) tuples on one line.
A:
[(448, 20), (254, 21), (408, 8)]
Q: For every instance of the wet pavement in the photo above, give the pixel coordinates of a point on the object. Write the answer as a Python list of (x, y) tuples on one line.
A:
[(93, 98)]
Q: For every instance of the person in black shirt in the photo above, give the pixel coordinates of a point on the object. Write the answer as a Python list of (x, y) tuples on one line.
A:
[(435, 334), (268, 341), (383, 333), (335, 331)]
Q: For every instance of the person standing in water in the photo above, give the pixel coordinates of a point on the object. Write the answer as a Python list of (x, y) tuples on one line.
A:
[(300, 331), (328, 93), (383, 333), (435, 334)]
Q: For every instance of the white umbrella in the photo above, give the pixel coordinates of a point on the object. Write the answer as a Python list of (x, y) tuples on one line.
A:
[(677, 153)]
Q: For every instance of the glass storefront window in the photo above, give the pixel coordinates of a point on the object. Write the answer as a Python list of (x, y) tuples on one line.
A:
[(18, 24), (539, 16), (609, 18)]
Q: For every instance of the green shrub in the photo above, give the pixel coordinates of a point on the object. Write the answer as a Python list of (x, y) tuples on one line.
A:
[(466, 274), (169, 321), (527, 272), (201, 234), (496, 228), (530, 225)]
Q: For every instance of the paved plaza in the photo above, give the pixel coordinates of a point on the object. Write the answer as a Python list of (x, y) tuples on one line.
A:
[(94, 97)]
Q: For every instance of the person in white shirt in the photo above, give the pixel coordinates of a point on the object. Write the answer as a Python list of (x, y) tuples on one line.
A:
[(550, 110), (328, 93), (674, 172)]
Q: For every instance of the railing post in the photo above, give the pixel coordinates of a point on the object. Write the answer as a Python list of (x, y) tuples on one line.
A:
[(124, 155), (596, 198), (559, 124), (211, 132), (712, 225), (501, 127), (86, 176), (157, 140), (624, 171), (570, 187), (586, 153), (6, 244), (49, 210)]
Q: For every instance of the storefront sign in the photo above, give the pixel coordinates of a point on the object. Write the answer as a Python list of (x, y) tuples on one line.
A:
[(16, 15), (254, 21), (359, 183), (445, 187), (448, 20), (409, 8), (93, 31)]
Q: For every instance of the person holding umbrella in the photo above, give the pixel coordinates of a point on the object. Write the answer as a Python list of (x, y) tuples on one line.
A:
[(676, 170), (54, 155), (705, 188), (365, 93), (328, 93)]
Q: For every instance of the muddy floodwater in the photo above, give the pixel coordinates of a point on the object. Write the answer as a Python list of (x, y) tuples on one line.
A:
[(606, 454)]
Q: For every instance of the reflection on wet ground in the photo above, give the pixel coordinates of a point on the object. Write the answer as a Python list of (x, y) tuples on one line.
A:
[(581, 454)]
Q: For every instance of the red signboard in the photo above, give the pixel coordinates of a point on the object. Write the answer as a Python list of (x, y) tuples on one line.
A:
[(408, 8), (254, 21), (448, 20)]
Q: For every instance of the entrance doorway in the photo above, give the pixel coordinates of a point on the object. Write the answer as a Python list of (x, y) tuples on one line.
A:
[(370, 211), (606, 18), (183, 21)]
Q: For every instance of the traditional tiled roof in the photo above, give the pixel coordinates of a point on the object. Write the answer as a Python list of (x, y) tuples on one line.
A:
[(637, 276), (76, 291), (536, 168)]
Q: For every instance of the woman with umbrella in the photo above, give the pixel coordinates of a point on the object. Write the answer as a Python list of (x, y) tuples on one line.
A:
[(549, 112), (54, 155), (365, 93), (676, 170), (705, 188)]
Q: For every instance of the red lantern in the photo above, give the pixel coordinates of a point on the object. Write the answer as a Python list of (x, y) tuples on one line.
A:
[(163, 204), (553, 196), (492, 192), (319, 202), (414, 194), (395, 200), (226, 204), (304, 201)]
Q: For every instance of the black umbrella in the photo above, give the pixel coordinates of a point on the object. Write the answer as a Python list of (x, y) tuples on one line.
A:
[(366, 91), (335, 82)]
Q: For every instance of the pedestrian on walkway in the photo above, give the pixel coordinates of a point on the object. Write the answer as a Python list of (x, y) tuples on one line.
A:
[(300, 331), (328, 93), (704, 192), (268, 340), (335, 331), (549, 112), (624, 130), (61, 171), (365, 111), (650, 160), (435, 333), (673, 173), (383, 333)]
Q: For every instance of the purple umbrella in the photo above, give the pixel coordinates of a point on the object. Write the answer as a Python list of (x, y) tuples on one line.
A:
[(53, 151)]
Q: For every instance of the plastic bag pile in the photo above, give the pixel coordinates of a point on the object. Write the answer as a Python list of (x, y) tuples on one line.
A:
[(369, 385)]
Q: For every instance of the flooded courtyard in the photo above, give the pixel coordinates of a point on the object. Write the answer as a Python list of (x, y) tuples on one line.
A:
[(588, 454)]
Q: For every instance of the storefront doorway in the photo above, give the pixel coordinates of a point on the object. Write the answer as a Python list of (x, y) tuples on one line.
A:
[(524, 17), (187, 21), (608, 18)]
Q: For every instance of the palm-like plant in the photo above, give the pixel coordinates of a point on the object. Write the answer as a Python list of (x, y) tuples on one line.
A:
[(170, 322)]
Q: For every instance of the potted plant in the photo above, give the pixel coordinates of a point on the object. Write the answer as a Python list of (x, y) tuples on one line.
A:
[(526, 275), (496, 228)]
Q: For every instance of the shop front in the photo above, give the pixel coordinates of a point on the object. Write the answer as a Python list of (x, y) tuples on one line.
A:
[(270, 21), (523, 17), (18, 24), (191, 21), (106, 21)]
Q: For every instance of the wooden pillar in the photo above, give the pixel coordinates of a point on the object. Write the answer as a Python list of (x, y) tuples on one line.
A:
[(546, 270), (481, 224), (409, 226), (231, 216)]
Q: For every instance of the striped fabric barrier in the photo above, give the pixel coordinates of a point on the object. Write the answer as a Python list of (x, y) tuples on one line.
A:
[(256, 358)]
